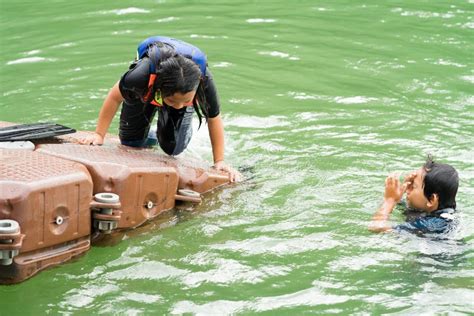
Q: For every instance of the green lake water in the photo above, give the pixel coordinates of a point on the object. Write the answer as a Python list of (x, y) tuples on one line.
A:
[(321, 100)]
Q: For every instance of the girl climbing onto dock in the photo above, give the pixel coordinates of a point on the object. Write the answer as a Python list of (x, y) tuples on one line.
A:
[(170, 77)]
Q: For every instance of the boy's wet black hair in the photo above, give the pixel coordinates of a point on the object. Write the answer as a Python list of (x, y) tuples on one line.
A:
[(441, 179)]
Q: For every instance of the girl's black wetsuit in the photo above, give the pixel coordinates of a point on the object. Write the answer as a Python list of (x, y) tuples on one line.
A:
[(174, 127)]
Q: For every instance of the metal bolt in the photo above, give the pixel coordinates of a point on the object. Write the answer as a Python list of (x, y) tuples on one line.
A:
[(59, 220)]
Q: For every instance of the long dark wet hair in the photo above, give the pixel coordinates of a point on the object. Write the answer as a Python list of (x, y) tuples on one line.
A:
[(178, 74)]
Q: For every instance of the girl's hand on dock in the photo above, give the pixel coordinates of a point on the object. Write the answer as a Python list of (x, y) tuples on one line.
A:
[(94, 139), (234, 175)]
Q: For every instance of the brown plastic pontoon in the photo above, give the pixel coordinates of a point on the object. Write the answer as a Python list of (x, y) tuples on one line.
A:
[(53, 198), (50, 200)]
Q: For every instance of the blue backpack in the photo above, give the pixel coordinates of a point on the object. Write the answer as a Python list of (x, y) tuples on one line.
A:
[(182, 48)]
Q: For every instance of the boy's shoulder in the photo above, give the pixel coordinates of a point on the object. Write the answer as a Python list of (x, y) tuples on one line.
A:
[(440, 221)]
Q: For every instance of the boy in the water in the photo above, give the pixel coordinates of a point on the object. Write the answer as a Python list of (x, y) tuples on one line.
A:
[(431, 191)]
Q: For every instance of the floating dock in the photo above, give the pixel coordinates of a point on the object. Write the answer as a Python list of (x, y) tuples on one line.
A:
[(55, 194)]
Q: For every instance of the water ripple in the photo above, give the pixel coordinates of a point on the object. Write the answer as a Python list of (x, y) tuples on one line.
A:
[(131, 10), (231, 271), (150, 270), (258, 20), (313, 296), (29, 60), (280, 246)]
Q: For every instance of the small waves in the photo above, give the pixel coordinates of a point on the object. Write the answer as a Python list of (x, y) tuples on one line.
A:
[(313, 296), (469, 79), (257, 122), (230, 271), (336, 99), (259, 20), (126, 11), (354, 100), (444, 62), (316, 112), (168, 19), (30, 60), (280, 246), (207, 36), (223, 64), (424, 14), (278, 54)]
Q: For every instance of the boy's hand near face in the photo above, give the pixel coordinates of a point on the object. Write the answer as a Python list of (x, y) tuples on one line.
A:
[(393, 190), (393, 194), (409, 179)]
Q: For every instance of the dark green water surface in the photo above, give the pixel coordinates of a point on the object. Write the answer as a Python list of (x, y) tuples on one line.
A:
[(321, 101)]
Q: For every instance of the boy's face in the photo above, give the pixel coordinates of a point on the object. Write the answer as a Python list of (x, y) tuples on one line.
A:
[(415, 197)]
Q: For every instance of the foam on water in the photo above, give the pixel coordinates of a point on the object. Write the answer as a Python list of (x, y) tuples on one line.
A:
[(29, 60), (278, 54), (257, 20), (280, 246), (131, 10), (168, 19)]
